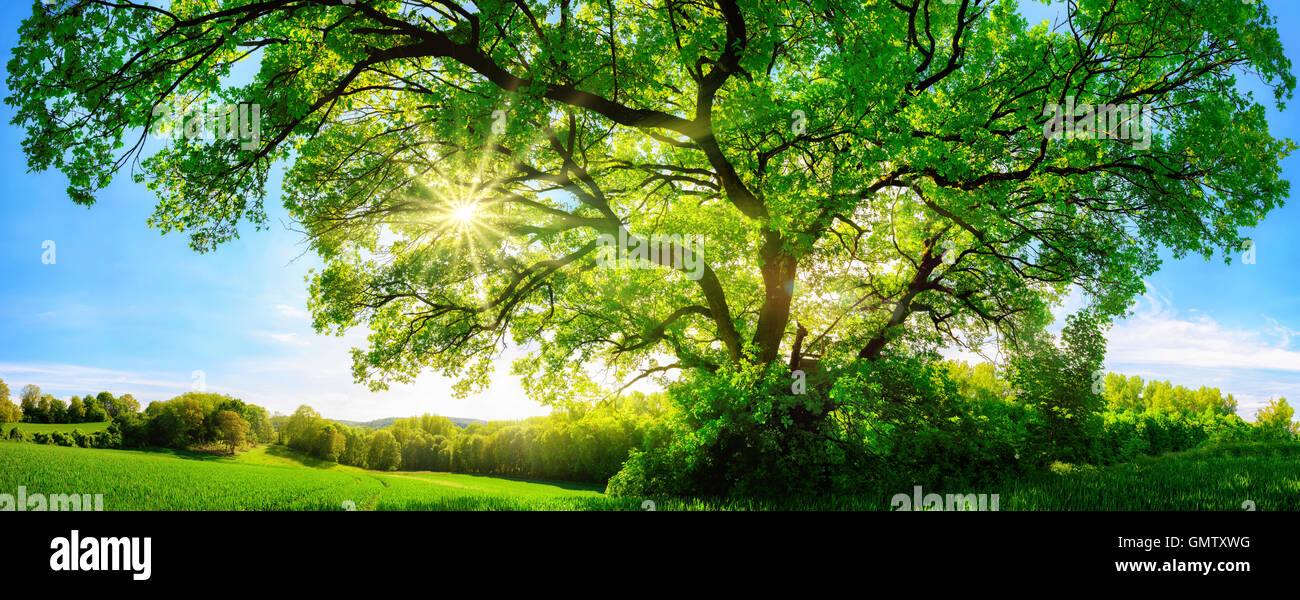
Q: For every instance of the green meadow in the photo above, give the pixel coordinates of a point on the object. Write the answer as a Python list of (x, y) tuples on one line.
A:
[(260, 480), (30, 428), (276, 478)]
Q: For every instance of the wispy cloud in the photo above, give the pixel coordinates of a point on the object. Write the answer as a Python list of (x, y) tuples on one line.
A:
[(283, 337), (64, 380), (1158, 333), (1190, 347), (291, 312)]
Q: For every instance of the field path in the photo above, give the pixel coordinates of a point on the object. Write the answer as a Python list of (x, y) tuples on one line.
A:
[(437, 482)]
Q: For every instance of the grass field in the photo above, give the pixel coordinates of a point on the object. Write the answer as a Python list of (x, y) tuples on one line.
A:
[(1205, 479), (264, 479), (30, 428), (275, 478)]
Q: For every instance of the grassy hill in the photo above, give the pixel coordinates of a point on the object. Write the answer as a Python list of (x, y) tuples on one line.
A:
[(266, 479)]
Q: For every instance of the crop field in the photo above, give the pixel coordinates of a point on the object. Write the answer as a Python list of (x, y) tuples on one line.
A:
[(274, 478)]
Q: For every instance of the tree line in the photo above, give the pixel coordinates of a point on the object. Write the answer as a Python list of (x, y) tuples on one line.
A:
[(587, 443), (193, 419), (37, 407)]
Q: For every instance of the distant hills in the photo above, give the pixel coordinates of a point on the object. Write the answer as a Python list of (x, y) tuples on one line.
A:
[(460, 422)]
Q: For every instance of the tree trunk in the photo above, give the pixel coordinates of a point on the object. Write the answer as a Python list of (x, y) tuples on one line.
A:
[(778, 290), (920, 282)]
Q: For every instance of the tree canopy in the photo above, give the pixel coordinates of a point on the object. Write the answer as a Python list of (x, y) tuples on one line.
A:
[(848, 176)]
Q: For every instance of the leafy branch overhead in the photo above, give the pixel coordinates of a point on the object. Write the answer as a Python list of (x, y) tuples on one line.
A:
[(860, 174)]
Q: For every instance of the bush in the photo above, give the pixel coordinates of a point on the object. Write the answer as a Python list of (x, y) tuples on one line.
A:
[(128, 430), (1127, 434), (889, 424), (109, 438), (739, 431)]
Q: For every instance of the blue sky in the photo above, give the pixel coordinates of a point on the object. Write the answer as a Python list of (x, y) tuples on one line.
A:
[(128, 310)]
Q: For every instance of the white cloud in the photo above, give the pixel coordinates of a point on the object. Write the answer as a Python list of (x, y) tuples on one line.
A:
[(1160, 342), (289, 338), (1157, 334)]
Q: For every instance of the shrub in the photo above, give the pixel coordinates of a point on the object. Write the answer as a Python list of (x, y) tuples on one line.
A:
[(109, 438), (889, 424)]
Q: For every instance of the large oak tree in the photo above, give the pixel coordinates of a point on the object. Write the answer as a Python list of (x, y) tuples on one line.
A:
[(861, 174)]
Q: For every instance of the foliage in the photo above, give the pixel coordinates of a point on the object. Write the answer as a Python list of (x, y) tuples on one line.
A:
[(1275, 420), (37, 407), (385, 454), (846, 177), (906, 419), (584, 443), (1061, 383), (891, 420), (9, 412), (232, 429), (192, 419)]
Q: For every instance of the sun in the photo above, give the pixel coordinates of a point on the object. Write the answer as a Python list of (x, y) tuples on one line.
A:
[(465, 214)]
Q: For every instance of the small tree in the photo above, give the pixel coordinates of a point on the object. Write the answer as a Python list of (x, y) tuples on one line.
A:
[(30, 402), (56, 411), (76, 410), (385, 452), (1274, 421), (9, 412), (330, 444), (1064, 383), (232, 430), (94, 413), (128, 403), (108, 402)]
